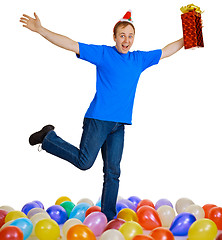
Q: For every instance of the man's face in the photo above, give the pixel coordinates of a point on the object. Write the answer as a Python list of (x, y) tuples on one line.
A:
[(124, 38)]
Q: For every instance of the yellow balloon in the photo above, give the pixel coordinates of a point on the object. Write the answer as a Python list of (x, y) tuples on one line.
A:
[(68, 224), (14, 215), (127, 214), (166, 214), (37, 217), (62, 199), (47, 229), (203, 229), (130, 229)]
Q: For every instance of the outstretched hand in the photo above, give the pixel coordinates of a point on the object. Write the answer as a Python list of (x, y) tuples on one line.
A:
[(33, 24)]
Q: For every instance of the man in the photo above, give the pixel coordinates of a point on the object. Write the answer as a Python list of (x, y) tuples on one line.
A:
[(118, 72)]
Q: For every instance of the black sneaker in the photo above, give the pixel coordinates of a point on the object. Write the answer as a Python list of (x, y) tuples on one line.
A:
[(38, 137)]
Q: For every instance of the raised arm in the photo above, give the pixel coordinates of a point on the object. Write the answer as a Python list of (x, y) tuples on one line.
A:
[(34, 25), (172, 48)]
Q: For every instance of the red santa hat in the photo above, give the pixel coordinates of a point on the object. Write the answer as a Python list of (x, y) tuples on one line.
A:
[(126, 18)]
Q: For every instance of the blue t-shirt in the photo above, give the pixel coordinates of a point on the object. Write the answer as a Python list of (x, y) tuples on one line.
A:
[(117, 78)]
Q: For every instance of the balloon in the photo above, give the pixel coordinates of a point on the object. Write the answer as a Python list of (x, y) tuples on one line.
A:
[(70, 223), (166, 214), (86, 200), (161, 233), (7, 208), (79, 211), (80, 232), (47, 229), (207, 208), (128, 203), (92, 209), (98, 203), (145, 202), (28, 206), (196, 210), (163, 202), (25, 225), (182, 204), (148, 218), (3, 214), (130, 230), (215, 215), (143, 237), (219, 237), (62, 199), (203, 229), (112, 234), (127, 214), (96, 221), (182, 223), (39, 203), (68, 206), (11, 233), (114, 224), (134, 199), (57, 213), (14, 215), (37, 217), (119, 207), (34, 211)]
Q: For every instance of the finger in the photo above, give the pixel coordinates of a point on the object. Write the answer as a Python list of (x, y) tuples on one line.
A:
[(22, 21), (27, 16)]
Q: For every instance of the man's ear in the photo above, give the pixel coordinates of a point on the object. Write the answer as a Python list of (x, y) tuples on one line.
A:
[(114, 37)]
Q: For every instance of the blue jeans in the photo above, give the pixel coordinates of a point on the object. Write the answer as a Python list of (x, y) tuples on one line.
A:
[(105, 135)]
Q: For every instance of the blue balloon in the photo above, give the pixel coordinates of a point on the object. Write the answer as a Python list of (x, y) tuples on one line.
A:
[(128, 203), (25, 225), (79, 211), (119, 207), (57, 213), (98, 203), (135, 200), (28, 206), (181, 224), (39, 203)]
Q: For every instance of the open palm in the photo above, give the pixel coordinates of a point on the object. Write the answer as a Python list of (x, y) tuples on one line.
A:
[(31, 23)]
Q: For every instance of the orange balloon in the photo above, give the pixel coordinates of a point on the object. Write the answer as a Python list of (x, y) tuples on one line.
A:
[(148, 218), (207, 208), (145, 202), (161, 233), (80, 232), (143, 237), (215, 214)]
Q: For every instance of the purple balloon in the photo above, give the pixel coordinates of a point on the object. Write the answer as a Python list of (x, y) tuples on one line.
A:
[(28, 206), (163, 202), (97, 222), (57, 213), (134, 199), (39, 203), (182, 223), (128, 203)]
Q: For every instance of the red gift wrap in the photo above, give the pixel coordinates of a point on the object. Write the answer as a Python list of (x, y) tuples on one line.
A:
[(192, 27)]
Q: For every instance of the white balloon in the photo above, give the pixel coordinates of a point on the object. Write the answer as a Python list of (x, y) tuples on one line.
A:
[(86, 200), (112, 234), (196, 210), (182, 204)]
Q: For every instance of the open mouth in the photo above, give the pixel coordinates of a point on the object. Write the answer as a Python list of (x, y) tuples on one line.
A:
[(125, 47)]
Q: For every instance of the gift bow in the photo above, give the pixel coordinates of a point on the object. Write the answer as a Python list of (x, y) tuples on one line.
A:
[(189, 8)]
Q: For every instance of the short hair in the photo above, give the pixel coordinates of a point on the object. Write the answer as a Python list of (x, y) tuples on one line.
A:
[(123, 25)]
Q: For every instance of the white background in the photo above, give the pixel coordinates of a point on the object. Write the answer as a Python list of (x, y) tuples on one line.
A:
[(173, 148)]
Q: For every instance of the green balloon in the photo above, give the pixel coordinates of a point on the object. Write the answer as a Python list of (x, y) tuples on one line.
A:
[(68, 206)]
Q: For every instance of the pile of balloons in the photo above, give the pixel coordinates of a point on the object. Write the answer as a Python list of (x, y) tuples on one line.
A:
[(135, 216)]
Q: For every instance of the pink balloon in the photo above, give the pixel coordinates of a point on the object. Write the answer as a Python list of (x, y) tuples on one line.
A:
[(96, 221), (114, 224)]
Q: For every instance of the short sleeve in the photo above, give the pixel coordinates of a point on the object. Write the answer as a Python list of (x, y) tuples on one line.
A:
[(90, 53), (150, 58)]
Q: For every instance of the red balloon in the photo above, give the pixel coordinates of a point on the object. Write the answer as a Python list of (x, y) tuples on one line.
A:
[(92, 209), (207, 208), (114, 224), (219, 237), (3, 214), (215, 214), (148, 218), (161, 233), (145, 202), (11, 233), (143, 237)]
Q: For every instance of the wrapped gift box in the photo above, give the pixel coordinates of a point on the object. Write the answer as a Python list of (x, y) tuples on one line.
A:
[(192, 27)]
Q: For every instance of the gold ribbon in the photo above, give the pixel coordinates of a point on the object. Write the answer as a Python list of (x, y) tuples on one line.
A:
[(189, 8)]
